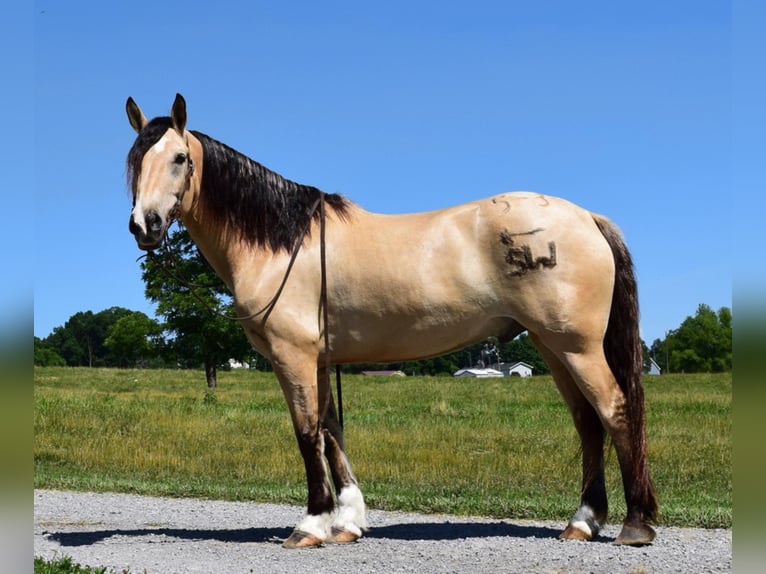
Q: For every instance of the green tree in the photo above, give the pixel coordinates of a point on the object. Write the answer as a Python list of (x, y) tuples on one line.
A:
[(64, 343), (657, 352), (45, 356), (80, 341), (723, 360), (647, 356), (133, 339), (195, 306), (702, 343)]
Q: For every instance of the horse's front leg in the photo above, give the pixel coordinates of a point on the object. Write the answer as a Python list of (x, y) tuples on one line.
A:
[(350, 519), (298, 380)]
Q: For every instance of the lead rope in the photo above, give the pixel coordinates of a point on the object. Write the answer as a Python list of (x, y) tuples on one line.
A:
[(340, 396), (326, 312)]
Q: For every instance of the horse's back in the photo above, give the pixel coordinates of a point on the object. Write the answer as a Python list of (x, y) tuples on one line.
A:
[(522, 210), (511, 238)]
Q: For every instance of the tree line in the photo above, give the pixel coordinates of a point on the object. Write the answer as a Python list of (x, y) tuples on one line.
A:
[(196, 330), (701, 344)]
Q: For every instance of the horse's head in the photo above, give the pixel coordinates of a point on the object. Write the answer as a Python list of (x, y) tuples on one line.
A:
[(160, 170)]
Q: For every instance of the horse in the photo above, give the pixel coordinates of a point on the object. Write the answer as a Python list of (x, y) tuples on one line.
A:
[(403, 287)]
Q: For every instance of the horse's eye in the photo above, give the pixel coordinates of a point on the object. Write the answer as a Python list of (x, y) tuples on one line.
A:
[(180, 158)]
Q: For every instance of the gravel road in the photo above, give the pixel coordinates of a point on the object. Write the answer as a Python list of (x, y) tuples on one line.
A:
[(188, 536)]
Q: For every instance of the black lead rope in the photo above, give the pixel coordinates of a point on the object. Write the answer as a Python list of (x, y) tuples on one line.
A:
[(340, 396), (326, 312)]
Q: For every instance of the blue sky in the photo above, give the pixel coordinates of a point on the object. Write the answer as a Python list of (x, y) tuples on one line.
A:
[(622, 107)]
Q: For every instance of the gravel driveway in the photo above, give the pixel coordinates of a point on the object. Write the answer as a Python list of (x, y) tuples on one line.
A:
[(187, 536)]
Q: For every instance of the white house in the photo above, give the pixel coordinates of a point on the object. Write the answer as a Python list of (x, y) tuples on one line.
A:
[(478, 373), (519, 369), (234, 364), (654, 368)]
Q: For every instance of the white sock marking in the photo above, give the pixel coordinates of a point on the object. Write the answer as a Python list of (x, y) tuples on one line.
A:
[(585, 520), (582, 525), (351, 510), (316, 524)]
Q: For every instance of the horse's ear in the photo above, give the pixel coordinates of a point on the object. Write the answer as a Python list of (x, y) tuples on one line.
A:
[(136, 117), (178, 114)]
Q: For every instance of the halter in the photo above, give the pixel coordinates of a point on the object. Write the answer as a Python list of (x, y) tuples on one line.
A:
[(189, 173)]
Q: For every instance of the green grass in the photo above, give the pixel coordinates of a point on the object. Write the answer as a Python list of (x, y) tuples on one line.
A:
[(66, 565), (498, 447)]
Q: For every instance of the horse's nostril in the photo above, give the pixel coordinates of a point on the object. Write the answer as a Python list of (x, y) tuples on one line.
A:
[(153, 221), (134, 229)]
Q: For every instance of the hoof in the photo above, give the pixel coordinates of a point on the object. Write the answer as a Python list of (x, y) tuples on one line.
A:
[(635, 535), (342, 536), (573, 533), (299, 539)]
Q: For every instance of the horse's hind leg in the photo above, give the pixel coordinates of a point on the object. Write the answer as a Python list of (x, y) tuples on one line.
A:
[(592, 512), (598, 384), (588, 368), (350, 520)]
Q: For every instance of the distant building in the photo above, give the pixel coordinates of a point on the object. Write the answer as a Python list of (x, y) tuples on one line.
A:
[(478, 373), (519, 369), (654, 368), (384, 373), (234, 364)]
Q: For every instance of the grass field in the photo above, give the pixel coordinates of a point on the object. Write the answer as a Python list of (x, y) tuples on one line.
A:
[(497, 447), (66, 565)]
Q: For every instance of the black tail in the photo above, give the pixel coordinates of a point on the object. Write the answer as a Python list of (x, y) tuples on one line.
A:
[(622, 347)]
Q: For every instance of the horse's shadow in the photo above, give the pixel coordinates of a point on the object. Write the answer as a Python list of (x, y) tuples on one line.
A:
[(412, 531), (241, 535)]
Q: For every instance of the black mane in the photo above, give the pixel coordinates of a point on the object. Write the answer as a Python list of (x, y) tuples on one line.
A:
[(244, 198), (259, 205)]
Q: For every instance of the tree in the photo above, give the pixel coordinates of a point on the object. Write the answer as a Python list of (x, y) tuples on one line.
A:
[(702, 343), (195, 305), (80, 341), (63, 342), (45, 356), (723, 360), (647, 356), (133, 339), (657, 352)]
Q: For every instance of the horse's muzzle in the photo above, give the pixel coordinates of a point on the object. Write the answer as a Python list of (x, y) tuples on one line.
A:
[(150, 235)]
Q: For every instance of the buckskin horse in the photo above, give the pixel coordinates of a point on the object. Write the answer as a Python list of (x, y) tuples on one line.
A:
[(317, 280)]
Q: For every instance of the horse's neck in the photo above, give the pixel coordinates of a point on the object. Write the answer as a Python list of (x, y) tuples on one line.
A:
[(214, 249)]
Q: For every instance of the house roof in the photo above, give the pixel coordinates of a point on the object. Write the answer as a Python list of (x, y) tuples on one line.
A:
[(521, 364)]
